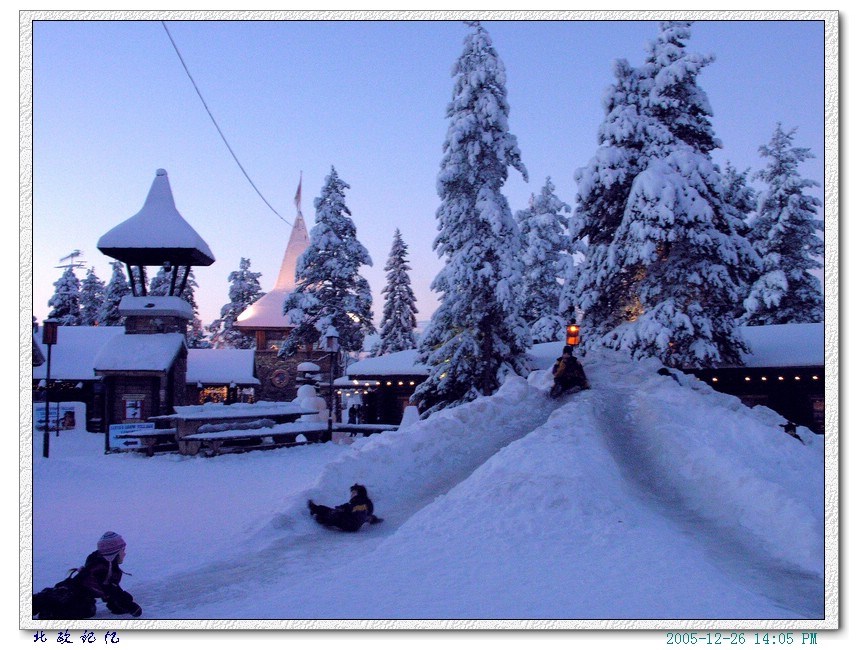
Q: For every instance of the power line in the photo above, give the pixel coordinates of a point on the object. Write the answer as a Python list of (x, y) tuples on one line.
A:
[(214, 121)]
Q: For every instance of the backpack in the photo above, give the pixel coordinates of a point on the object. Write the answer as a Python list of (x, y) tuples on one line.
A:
[(66, 600)]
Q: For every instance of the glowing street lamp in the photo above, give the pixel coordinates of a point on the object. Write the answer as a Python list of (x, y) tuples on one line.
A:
[(573, 334)]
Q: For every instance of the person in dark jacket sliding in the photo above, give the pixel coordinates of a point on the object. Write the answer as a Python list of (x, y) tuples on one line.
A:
[(99, 577), (349, 516), (568, 374)]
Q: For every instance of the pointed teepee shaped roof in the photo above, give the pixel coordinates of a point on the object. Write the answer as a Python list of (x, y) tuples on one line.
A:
[(157, 233), (267, 312)]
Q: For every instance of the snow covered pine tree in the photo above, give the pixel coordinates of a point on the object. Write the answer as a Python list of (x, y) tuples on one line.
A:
[(92, 292), (329, 290), (784, 234), (477, 335), (66, 299), (673, 270), (398, 320), (244, 290), (546, 257), (113, 294), (600, 289)]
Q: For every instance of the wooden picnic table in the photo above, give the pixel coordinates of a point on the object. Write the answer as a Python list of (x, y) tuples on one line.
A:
[(280, 435)]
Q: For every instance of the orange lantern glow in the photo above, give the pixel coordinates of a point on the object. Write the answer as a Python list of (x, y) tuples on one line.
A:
[(573, 334)]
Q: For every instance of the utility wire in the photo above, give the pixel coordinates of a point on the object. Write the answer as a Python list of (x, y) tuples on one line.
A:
[(223, 137)]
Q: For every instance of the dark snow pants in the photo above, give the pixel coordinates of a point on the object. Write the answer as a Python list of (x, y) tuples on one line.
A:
[(342, 519)]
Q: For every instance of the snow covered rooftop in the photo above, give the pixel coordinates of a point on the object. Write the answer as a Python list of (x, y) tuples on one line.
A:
[(155, 306), (156, 234), (396, 363), (74, 356), (147, 352), (221, 367), (76, 347), (267, 312), (776, 346)]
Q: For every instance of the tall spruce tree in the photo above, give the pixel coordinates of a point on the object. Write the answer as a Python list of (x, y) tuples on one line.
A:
[(742, 199), (546, 257), (477, 335), (92, 295), (603, 190), (672, 273), (244, 290), (679, 236), (398, 322), (329, 289), (65, 303), (784, 233), (116, 289), (739, 194)]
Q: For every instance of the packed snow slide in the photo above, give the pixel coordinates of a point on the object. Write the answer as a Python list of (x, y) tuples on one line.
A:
[(727, 476), (403, 472), (568, 522), (642, 498)]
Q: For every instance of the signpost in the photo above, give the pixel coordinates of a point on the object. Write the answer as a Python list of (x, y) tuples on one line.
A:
[(49, 338)]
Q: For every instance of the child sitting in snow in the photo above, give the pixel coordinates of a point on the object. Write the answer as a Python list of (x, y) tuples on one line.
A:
[(349, 516)]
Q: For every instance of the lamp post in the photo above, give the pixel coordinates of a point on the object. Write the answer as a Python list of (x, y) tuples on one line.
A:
[(332, 346), (573, 333), (49, 338)]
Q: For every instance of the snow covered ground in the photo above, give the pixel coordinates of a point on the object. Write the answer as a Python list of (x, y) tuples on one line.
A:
[(644, 498)]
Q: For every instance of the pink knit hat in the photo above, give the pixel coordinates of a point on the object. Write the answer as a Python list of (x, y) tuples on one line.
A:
[(110, 544)]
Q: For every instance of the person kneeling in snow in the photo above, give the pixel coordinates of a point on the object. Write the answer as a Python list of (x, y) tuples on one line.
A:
[(74, 597), (349, 516)]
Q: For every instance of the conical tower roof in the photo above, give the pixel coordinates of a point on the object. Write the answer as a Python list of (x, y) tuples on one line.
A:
[(267, 312), (157, 233)]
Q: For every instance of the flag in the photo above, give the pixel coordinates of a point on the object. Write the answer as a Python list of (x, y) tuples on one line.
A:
[(298, 194)]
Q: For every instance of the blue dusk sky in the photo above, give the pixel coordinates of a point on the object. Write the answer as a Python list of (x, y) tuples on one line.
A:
[(112, 104)]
